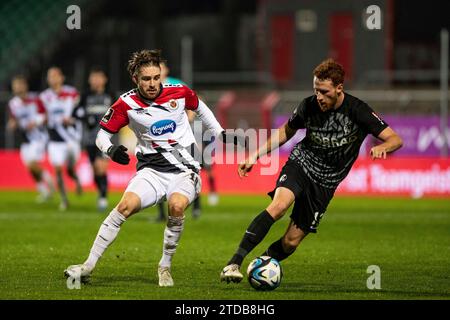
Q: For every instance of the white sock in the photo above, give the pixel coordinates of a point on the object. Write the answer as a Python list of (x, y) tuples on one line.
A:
[(42, 188), (172, 234), (106, 234), (47, 178)]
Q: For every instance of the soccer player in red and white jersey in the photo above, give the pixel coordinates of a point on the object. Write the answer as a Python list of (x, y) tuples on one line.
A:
[(64, 130), (166, 168), (27, 114)]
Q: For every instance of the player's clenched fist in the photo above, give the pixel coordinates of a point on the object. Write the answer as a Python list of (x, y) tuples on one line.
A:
[(118, 154)]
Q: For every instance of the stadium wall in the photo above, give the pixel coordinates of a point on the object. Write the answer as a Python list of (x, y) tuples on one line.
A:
[(397, 176)]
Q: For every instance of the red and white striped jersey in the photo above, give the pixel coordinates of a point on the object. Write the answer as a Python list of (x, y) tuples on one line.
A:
[(27, 111), (165, 140), (60, 106)]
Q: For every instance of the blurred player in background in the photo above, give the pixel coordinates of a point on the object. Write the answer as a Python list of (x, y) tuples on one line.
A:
[(166, 78), (336, 125), (94, 105), (27, 114), (206, 163), (166, 168), (64, 130)]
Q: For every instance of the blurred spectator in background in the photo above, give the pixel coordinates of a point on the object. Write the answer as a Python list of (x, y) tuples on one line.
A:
[(64, 130), (94, 105), (27, 114)]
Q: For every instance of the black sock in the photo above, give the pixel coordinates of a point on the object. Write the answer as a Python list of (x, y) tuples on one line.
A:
[(276, 251), (212, 184), (161, 211), (103, 185), (71, 172), (61, 186), (196, 204), (254, 234), (97, 180)]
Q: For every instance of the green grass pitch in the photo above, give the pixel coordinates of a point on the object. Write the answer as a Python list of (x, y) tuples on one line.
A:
[(409, 239)]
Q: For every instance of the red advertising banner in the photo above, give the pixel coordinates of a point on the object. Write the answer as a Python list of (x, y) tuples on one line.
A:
[(403, 176)]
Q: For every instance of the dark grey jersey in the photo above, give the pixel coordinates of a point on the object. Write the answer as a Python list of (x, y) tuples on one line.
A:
[(333, 138), (94, 107)]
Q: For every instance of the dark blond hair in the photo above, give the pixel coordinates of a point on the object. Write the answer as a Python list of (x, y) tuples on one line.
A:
[(330, 70), (143, 58)]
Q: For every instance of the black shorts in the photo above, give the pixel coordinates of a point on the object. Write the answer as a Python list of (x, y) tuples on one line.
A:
[(311, 200), (94, 153)]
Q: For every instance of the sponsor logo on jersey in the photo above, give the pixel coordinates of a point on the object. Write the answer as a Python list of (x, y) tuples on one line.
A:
[(142, 111), (333, 142), (57, 111), (162, 127), (283, 178)]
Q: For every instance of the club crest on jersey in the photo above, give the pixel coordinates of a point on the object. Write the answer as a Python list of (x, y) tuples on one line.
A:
[(173, 104), (162, 127)]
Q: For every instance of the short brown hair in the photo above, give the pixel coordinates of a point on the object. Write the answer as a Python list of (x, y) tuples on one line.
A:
[(330, 70), (143, 58)]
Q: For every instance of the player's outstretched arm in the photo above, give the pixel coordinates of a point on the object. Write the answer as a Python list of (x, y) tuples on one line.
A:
[(391, 142), (116, 153), (208, 118), (277, 139)]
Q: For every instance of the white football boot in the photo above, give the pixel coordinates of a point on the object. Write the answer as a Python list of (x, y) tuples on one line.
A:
[(165, 278), (231, 273), (102, 204), (213, 199), (79, 271)]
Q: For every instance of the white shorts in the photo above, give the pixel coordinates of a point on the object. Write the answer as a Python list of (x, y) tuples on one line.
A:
[(60, 152), (32, 152), (153, 186)]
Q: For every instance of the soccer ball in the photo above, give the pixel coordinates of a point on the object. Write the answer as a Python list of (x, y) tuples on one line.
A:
[(264, 273)]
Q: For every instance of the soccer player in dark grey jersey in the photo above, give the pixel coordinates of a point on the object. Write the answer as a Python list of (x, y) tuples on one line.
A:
[(94, 105), (336, 125)]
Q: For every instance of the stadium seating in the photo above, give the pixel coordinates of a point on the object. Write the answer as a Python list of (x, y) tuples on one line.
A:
[(28, 27)]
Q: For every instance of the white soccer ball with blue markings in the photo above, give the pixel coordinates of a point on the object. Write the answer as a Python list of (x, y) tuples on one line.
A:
[(264, 273)]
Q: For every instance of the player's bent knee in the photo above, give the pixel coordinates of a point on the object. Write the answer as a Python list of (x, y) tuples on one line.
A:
[(126, 208), (177, 204), (128, 205), (277, 209), (176, 209)]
